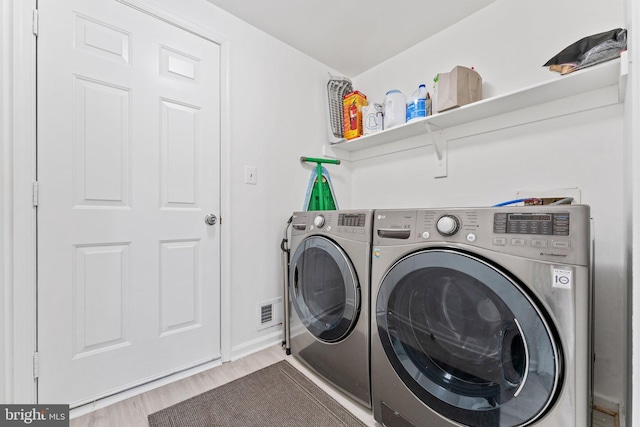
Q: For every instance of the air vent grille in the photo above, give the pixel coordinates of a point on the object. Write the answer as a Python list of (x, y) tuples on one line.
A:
[(266, 314), (269, 313)]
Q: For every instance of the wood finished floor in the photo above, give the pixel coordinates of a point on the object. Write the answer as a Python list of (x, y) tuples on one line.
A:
[(133, 411)]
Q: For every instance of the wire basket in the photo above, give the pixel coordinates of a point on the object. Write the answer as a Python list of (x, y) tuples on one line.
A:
[(337, 88)]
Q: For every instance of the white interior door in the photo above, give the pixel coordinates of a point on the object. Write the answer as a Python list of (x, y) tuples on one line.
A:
[(128, 167)]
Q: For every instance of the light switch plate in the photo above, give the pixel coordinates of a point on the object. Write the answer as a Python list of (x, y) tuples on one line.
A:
[(250, 175)]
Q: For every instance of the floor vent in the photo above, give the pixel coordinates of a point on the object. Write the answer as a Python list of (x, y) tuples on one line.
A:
[(269, 313)]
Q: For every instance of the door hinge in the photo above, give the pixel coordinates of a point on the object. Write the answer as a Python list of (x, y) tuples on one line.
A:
[(35, 193), (36, 365), (35, 22)]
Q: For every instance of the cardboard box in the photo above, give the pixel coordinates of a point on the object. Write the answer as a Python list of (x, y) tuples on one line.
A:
[(352, 113), (459, 87)]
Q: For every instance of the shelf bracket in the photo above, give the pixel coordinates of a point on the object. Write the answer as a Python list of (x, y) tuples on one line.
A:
[(624, 74), (436, 135)]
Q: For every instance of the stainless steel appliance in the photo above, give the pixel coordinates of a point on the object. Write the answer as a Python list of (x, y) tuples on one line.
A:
[(481, 317), (329, 290)]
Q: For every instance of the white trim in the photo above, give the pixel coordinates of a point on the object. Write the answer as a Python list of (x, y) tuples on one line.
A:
[(22, 288), (163, 15), (6, 231), (256, 345), (225, 201)]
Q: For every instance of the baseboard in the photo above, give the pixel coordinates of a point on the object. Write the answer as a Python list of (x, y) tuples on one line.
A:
[(254, 346)]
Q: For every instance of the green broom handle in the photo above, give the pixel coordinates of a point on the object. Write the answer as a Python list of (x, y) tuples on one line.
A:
[(319, 163), (317, 160)]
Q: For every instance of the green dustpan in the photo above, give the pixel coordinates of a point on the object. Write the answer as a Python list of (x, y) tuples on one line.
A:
[(321, 197)]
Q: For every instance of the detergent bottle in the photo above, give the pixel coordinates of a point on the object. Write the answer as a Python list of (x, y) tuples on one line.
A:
[(417, 104)]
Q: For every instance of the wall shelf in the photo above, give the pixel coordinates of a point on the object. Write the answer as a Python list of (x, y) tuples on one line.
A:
[(590, 88)]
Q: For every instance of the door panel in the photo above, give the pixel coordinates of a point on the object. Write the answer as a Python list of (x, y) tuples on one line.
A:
[(128, 167), (102, 143), (100, 294)]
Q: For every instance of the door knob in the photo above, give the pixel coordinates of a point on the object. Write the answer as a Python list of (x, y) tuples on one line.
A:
[(210, 219)]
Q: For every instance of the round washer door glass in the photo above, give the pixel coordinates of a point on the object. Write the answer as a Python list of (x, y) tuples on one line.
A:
[(324, 289), (467, 340)]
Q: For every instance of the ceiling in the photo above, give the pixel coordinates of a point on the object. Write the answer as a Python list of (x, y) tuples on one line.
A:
[(355, 35)]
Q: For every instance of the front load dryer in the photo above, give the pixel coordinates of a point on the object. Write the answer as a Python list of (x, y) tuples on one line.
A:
[(481, 317), (329, 287)]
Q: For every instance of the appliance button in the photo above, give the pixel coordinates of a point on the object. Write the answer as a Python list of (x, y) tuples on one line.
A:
[(426, 235), (329, 228), (560, 244), (539, 243), (518, 242), (499, 241), (471, 237)]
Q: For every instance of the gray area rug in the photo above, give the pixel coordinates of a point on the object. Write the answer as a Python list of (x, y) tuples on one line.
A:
[(278, 395)]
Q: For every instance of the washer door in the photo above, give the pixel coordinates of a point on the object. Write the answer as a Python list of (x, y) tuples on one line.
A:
[(324, 289), (467, 340)]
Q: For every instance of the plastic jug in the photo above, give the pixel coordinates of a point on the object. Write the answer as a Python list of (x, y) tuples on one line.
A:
[(372, 118), (417, 104), (395, 109)]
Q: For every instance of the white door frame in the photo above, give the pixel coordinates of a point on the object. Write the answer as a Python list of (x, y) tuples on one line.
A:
[(19, 278)]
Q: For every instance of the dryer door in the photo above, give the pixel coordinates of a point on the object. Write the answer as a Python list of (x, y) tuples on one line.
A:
[(467, 339), (324, 289)]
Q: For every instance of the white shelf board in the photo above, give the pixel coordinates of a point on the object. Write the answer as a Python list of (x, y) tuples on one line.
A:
[(561, 87)]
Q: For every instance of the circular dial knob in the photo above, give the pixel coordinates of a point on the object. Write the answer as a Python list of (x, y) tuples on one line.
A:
[(319, 221), (448, 225)]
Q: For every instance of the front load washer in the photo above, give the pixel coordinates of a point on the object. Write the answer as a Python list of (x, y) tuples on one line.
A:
[(481, 317), (329, 284)]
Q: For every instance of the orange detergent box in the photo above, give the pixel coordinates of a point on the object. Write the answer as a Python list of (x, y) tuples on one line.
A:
[(352, 112)]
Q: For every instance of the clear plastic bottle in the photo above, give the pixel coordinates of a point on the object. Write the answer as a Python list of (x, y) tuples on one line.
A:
[(417, 104)]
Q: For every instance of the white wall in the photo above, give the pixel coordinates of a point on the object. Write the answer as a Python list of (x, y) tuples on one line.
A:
[(276, 114), (5, 108), (507, 43), (632, 184)]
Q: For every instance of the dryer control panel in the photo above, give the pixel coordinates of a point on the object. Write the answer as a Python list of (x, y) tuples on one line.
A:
[(350, 224)]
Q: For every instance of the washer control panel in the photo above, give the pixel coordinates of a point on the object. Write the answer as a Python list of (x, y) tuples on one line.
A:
[(556, 233), (549, 224)]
